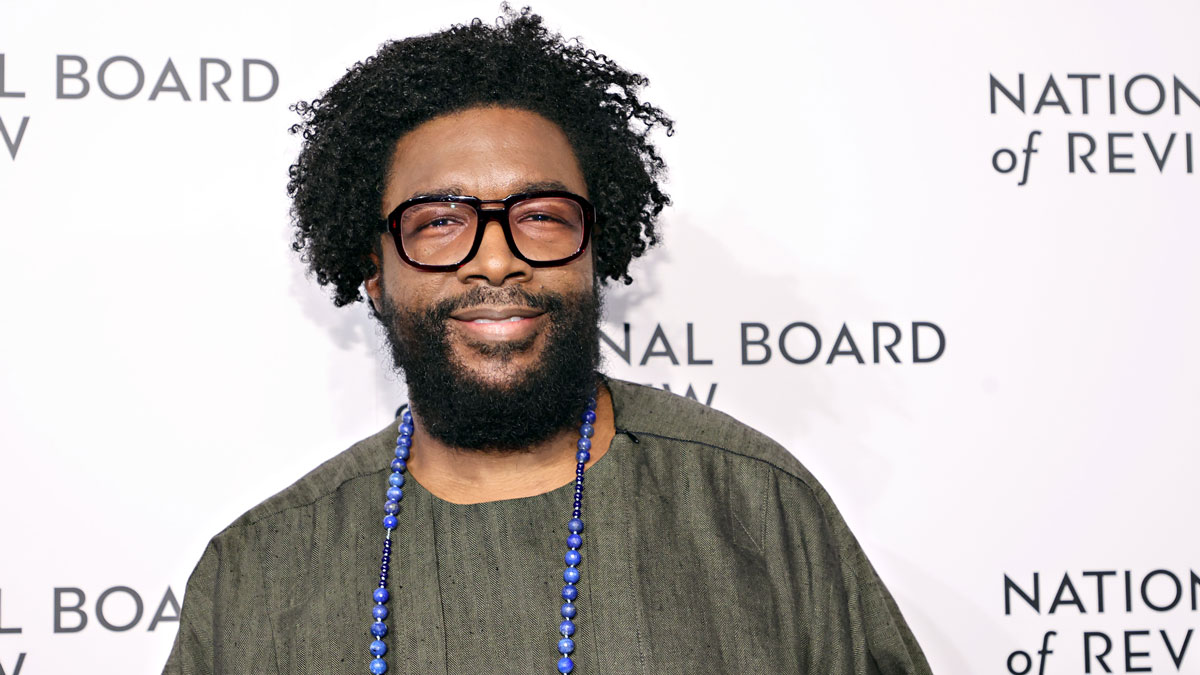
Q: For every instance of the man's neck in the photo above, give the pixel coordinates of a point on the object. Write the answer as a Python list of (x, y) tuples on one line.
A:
[(472, 476)]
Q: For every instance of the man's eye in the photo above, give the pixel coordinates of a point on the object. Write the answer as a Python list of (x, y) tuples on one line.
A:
[(542, 218)]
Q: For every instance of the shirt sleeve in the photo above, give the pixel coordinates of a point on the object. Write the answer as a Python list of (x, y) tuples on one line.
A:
[(852, 624), (192, 653), (224, 624)]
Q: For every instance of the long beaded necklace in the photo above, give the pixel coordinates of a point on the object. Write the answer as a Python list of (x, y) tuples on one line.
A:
[(570, 591)]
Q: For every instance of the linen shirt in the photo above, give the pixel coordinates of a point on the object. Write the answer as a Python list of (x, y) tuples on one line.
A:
[(707, 548)]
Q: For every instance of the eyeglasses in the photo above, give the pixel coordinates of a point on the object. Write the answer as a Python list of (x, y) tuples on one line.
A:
[(442, 233)]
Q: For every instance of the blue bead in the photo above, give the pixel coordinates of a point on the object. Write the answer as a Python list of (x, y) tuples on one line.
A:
[(584, 444), (390, 522), (406, 429), (399, 464), (394, 493), (565, 665), (391, 507), (586, 430), (378, 666), (571, 575), (379, 612), (378, 647), (574, 541), (567, 627), (566, 646), (380, 595), (575, 525), (583, 456), (589, 416), (396, 479), (379, 629), (572, 557), (591, 403), (402, 453), (570, 592), (404, 442), (568, 610), (406, 417)]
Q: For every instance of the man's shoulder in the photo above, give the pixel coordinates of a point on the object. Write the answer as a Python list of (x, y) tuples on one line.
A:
[(654, 412), (359, 460)]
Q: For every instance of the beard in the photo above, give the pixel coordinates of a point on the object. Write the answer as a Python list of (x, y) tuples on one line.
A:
[(458, 408)]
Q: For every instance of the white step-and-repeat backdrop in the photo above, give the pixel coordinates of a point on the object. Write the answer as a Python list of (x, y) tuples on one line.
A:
[(977, 326)]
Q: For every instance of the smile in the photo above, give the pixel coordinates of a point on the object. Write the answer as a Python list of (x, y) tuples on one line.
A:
[(508, 320), (498, 324)]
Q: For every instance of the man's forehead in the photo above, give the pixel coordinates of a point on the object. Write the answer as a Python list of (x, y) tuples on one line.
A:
[(461, 190)]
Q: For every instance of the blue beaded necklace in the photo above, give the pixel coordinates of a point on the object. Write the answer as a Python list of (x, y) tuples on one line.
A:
[(570, 591)]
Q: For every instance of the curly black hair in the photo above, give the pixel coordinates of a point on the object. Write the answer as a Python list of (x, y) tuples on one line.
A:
[(350, 132)]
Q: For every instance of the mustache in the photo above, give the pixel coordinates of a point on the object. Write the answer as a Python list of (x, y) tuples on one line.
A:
[(545, 301)]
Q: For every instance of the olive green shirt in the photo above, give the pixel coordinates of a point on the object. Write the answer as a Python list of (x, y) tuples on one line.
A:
[(708, 548)]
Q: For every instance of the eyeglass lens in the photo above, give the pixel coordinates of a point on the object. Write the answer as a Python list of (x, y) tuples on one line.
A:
[(441, 233)]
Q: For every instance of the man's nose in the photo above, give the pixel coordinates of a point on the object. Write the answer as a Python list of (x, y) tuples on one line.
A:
[(494, 262)]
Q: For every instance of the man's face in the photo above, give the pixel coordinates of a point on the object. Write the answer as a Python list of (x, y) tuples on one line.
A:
[(459, 318)]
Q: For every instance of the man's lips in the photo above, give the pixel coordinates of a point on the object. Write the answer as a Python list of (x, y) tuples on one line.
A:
[(492, 314), (500, 324)]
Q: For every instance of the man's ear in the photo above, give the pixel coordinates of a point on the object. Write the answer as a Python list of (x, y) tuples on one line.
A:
[(374, 283)]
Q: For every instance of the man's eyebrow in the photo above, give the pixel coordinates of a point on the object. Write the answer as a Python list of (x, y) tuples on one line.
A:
[(439, 191), (534, 186)]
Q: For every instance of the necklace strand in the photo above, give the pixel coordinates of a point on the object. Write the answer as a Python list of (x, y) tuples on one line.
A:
[(570, 591)]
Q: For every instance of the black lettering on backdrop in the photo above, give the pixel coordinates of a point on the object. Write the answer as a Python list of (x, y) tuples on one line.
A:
[(624, 352), (1066, 587), (1113, 155), (1083, 89), (783, 342), (1057, 101), (137, 603), (1100, 585), (1177, 659), (1178, 591), (1143, 94), (61, 76), (246, 96), (1179, 88), (761, 342), (204, 64), (659, 336), (1159, 161), (17, 668), (74, 67), (77, 608), (159, 86), (1019, 100), (895, 339), (1087, 651), (4, 92), (13, 143), (916, 334), (835, 352), (168, 598), (1071, 136), (1130, 654), (1162, 94), (11, 629), (1035, 601), (102, 77), (691, 351)]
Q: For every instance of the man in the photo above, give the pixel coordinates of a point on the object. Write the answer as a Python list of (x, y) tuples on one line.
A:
[(480, 184)]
